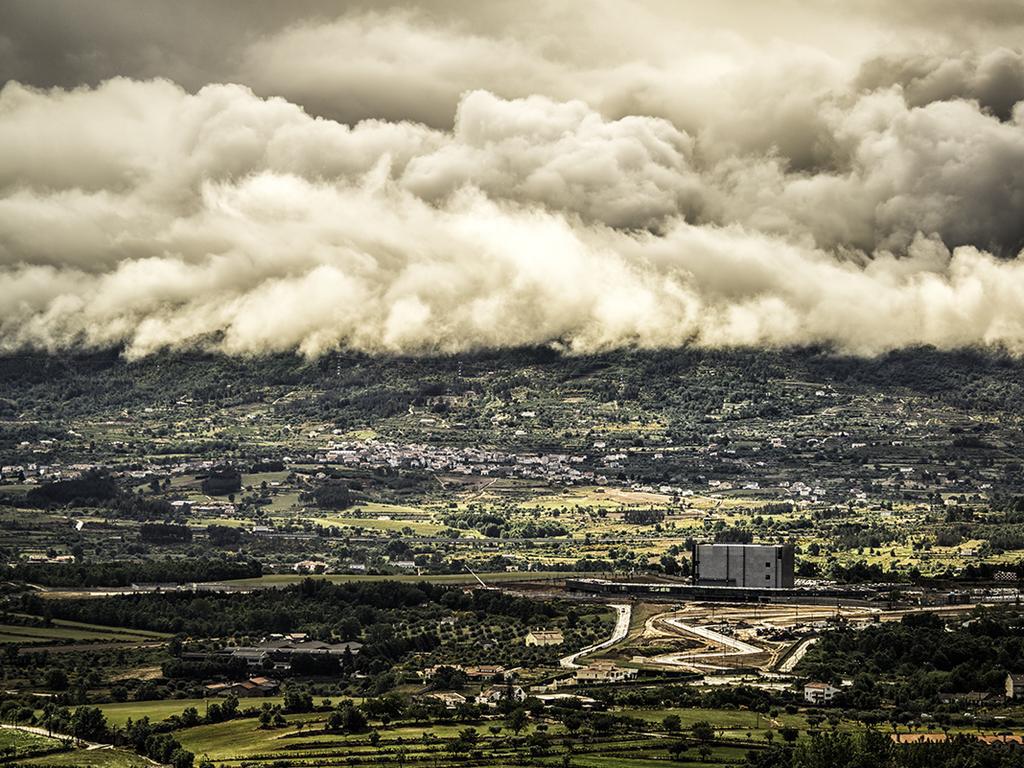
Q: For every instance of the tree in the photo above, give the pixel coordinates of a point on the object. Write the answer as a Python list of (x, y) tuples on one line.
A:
[(788, 733), (56, 719), (448, 679), (677, 749), (298, 699), (223, 535), (267, 718), (222, 481), (89, 724), (190, 717), (56, 679), (702, 731), (333, 495), (229, 707), (671, 723), (539, 744), (516, 720), (348, 718)]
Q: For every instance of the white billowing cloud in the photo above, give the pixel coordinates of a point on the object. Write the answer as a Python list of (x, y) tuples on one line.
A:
[(626, 173), (138, 214), (392, 66)]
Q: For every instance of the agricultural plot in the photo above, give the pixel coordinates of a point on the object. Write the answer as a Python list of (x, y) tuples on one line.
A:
[(91, 758), (118, 714), (70, 633), (303, 742), (18, 744)]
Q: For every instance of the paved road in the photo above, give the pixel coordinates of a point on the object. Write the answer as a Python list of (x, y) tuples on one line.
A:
[(790, 662), (731, 645), (625, 613)]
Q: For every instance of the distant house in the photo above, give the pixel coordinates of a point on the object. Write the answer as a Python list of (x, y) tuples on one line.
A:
[(1015, 686), (567, 698), (971, 697), (450, 699), (430, 672), (287, 646), (819, 693), (254, 657), (254, 686), (544, 637), (310, 566), (604, 672), (497, 694), (280, 651), (485, 672)]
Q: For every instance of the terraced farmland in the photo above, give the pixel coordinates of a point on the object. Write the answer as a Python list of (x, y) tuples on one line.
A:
[(304, 743), (62, 632)]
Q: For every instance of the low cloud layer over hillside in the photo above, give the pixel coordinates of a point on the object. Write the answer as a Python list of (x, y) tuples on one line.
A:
[(410, 179)]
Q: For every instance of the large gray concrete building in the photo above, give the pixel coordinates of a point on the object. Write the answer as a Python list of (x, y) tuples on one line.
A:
[(743, 565)]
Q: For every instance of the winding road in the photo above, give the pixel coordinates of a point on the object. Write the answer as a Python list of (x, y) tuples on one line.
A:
[(625, 613), (731, 645)]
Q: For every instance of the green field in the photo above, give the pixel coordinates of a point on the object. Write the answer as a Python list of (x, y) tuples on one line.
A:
[(118, 714), (91, 758), (63, 632), (240, 741), (733, 723), (19, 744), (420, 527)]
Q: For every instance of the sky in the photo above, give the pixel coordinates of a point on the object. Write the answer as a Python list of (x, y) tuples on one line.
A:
[(434, 177)]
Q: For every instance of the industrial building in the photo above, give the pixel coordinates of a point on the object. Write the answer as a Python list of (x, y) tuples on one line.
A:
[(757, 566)]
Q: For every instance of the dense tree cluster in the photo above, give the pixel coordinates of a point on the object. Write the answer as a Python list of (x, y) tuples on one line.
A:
[(221, 481), (643, 516), (930, 654), (165, 533), (333, 495), (872, 749), (379, 613), (93, 487), (125, 573)]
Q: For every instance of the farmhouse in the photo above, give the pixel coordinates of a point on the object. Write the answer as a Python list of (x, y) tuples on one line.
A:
[(819, 693), (544, 637), (1015, 686), (485, 672), (604, 672), (450, 699), (494, 695), (310, 566)]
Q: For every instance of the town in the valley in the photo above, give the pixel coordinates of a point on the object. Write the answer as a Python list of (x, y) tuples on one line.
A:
[(475, 569)]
